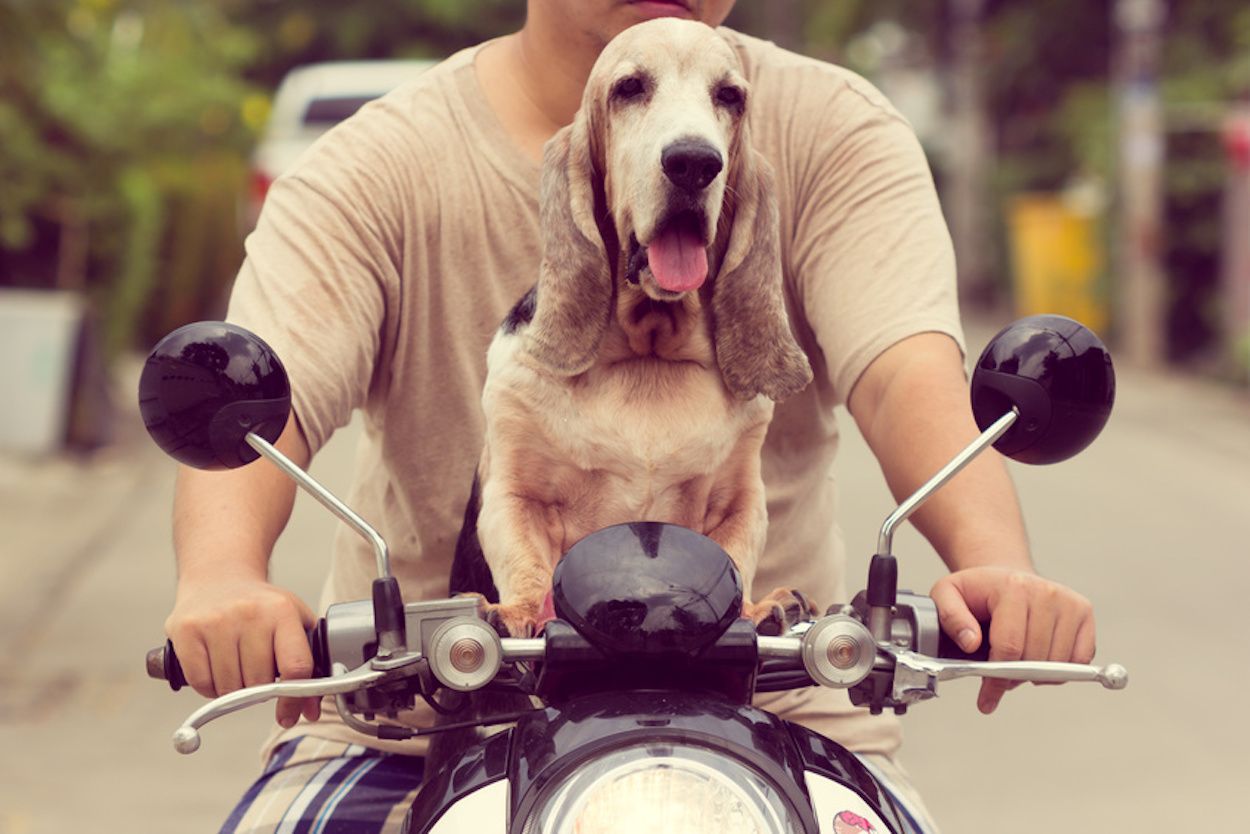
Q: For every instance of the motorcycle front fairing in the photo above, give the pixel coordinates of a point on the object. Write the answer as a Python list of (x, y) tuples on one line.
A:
[(693, 762), (648, 675)]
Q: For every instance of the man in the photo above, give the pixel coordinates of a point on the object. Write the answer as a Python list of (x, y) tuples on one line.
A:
[(381, 267)]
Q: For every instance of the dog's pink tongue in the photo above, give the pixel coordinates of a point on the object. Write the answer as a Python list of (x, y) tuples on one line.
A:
[(678, 260)]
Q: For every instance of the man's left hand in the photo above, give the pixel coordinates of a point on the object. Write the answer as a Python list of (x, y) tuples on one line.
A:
[(1030, 618)]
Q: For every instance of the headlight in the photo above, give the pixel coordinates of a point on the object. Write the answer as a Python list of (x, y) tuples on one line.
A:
[(662, 787)]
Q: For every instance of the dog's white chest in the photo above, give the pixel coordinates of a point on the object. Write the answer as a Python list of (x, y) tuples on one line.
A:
[(643, 429), (655, 420)]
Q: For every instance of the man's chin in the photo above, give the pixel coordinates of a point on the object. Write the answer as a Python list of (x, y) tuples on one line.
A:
[(651, 9)]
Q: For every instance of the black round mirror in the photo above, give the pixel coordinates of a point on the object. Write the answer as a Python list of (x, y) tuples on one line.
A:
[(1059, 376), (207, 385)]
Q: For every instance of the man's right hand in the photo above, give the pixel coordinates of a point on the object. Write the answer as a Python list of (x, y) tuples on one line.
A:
[(230, 627), (232, 633)]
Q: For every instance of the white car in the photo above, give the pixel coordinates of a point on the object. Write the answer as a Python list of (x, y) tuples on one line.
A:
[(310, 100)]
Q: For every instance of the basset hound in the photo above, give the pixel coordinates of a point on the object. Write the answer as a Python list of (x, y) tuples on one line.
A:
[(637, 379)]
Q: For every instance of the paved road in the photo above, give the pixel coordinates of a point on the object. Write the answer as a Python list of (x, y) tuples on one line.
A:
[(85, 734), (1152, 523)]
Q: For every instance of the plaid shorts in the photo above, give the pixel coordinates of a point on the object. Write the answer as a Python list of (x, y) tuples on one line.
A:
[(314, 786)]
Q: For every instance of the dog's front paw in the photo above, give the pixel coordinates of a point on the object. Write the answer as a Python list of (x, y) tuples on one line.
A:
[(779, 611), (512, 620)]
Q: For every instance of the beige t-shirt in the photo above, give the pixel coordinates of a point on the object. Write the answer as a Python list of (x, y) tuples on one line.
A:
[(384, 262)]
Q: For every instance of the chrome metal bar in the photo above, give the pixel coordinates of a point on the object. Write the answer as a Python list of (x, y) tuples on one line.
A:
[(523, 648), (1111, 676), (187, 737), (328, 500), (885, 541), (783, 646)]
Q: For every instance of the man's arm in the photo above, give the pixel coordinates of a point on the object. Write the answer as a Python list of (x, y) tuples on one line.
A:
[(911, 405), (230, 627)]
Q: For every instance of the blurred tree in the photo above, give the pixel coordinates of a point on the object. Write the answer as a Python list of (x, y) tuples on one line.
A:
[(826, 30), (325, 30), (115, 114), (1045, 73), (1206, 68), (126, 123)]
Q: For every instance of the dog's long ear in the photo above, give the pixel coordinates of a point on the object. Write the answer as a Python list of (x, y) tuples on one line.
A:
[(575, 289), (755, 347)]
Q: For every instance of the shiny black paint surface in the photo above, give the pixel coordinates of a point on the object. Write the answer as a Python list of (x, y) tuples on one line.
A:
[(477, 767), (648, 589), (1058, 374), (205, 386), (826, 757), (548, 746)]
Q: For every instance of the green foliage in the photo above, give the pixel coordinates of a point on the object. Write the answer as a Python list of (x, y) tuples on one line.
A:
[(106, 106), (127, 124), (1206, 67), (322, 30)]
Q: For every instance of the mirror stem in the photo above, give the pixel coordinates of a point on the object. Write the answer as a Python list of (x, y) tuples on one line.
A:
[(388, 605), (885, 541), (328, 499)]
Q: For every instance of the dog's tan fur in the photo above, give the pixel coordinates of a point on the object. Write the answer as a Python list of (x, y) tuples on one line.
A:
[(619, 400)]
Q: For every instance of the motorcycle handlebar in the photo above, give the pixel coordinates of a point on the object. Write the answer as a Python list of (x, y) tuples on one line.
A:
[(162, 665), (787, 662), (781, 663), (948, 649), (162, 662)]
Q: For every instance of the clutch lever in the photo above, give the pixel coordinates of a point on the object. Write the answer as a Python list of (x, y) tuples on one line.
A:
[(187, 736)]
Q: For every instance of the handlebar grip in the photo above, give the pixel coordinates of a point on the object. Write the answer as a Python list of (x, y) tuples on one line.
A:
[(162, 662), (948, 649)]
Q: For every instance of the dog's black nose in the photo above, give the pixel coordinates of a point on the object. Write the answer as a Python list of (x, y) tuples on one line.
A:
[(691, 164)]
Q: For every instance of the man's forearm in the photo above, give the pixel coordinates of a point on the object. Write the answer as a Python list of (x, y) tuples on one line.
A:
[(230, 626), (912, 407), (230, 520)]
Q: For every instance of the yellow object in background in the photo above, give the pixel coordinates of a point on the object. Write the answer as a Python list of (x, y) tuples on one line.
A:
[(1058, 259)]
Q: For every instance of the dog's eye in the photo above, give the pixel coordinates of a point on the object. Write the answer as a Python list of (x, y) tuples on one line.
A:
[(628, 88), (731, 97)]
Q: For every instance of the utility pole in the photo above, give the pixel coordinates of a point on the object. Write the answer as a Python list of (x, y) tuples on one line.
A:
[(1142, 285), (969, 153), (1235, 269)]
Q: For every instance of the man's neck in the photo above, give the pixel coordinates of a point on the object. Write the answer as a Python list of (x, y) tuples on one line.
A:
[(533, 87)]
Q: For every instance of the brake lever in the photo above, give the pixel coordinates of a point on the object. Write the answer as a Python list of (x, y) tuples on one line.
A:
[(916, 676)]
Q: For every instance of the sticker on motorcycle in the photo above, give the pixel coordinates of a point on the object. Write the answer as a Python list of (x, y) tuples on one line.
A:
[(849, 822)]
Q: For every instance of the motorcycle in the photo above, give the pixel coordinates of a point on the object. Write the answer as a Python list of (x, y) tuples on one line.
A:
[(640, 689)]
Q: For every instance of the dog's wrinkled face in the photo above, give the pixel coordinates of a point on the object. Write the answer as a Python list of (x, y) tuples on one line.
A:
[(671, 99), (653, 188)]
